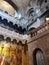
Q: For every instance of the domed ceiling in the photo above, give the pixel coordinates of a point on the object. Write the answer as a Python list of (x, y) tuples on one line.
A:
[(30, 11)]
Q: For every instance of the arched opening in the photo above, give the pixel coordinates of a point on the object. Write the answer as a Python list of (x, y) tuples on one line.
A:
[(23, 30), (5, 22), (8, 39), (1, 38), (20, 29), (38, 57), (14, 41), (10, 24), (15, 27)]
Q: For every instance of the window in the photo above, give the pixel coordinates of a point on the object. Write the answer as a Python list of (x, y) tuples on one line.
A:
[(38, 57)]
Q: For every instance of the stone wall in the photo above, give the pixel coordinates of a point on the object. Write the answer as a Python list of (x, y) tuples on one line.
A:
[(41, 42)]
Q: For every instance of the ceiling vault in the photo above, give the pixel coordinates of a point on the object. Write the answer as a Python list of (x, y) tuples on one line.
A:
[(12, 3)]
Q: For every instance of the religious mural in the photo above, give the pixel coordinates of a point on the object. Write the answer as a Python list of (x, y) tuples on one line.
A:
[(10, 55)]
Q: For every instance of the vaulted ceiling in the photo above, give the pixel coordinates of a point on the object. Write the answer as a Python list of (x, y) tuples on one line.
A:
[(24, 5), (32, 8)]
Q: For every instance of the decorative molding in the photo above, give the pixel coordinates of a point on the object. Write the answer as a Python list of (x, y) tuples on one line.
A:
[(12, 34)]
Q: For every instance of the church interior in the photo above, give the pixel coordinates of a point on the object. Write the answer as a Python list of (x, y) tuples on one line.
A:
[(24, 32)]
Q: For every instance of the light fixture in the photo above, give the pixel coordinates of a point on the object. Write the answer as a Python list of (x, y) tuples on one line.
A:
[(47, 19)]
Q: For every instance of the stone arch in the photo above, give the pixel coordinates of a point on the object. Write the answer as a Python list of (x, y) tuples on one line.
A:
[(38, 57)]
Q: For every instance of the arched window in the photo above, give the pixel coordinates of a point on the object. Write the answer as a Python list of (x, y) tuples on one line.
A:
[(15, 26), (10, 24), (38, 57), (5, 21)]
